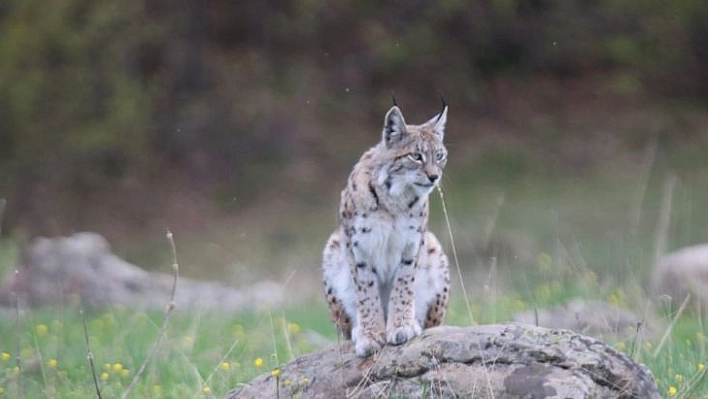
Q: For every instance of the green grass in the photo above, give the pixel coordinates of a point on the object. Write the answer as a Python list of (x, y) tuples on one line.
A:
[(205, 356), (592, 239), (200, 355)]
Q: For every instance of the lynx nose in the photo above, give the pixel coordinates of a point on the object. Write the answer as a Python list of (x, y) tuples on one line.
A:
[(433, 178)]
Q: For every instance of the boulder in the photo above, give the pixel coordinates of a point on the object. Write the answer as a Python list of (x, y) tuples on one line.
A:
[(82, 267), (598, 319), (490, 361), (681, 274)]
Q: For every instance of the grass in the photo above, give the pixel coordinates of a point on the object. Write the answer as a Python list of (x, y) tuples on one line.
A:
[(553, 239), (200, 356), (206, 355)]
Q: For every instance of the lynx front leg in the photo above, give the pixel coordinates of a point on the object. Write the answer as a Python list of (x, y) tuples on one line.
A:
[(368, 335), (369, 329), (401, 325)]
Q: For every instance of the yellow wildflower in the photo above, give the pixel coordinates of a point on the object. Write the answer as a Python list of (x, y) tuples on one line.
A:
[(41, 330), (5, 356), (701, 366), (225, 366), (258, 362), (672, 391), (293, 328), (117, 367), (275, 373), (187, 343), (544, 261), (206, 390), (52, 363), (239, 332), (104, 376)]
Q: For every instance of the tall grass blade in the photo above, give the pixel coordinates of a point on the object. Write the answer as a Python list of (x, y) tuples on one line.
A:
[(454, 255), (89, 355), (165, 320)]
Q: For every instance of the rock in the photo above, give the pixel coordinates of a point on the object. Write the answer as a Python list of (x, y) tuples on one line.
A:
[(82, 266), (597, 319), (490, 361), (681, 273)]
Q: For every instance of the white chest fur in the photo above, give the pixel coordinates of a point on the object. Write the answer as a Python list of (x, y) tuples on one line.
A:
[(385, 240)]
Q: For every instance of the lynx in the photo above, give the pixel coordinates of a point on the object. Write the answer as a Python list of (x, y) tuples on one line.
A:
[(386, 276)]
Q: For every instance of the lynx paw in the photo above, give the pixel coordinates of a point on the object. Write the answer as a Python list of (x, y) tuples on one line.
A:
[(366, 344), (404, 333)]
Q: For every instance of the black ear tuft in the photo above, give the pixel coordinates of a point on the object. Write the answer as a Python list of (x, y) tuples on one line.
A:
[(438, 121), (393, 98), (444, 105)]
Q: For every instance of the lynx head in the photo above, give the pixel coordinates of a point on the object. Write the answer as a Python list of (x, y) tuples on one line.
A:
[(416, 153)]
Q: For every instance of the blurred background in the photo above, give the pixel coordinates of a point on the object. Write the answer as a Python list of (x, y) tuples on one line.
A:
[(235, 124)]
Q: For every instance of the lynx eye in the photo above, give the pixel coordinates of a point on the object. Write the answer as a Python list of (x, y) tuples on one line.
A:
[(440, 156), (416, 156)]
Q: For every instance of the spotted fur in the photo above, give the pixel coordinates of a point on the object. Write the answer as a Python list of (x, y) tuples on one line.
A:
[(386, 276)]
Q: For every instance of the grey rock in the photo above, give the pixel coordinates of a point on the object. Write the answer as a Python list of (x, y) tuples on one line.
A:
[(490, 361), (682, 273), (595, 318), (82, 267)]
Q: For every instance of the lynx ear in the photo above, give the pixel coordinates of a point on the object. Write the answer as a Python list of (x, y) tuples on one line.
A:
[(438, 122), (394, 130)]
